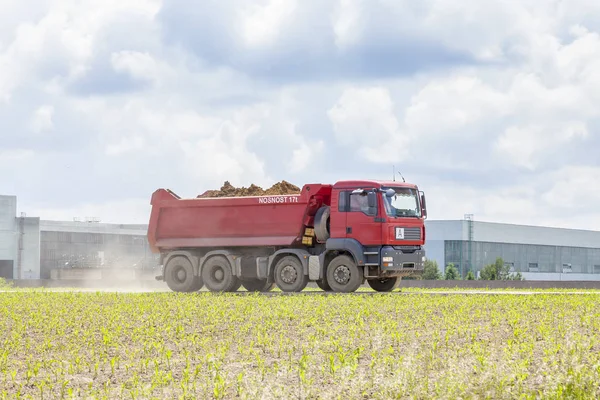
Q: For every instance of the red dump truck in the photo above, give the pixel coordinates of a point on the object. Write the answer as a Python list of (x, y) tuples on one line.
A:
[(338, 236)]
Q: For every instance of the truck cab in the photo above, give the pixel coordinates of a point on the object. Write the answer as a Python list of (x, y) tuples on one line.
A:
[(381, 224)]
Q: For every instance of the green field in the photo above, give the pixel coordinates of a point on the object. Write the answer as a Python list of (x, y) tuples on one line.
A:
[(203, 345)]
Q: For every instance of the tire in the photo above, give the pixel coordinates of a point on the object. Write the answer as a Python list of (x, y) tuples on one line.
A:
[(179, 275), (198, 284), (218, 276), (322, 283), (236, 286), (322, 224), (257, 285), (289, 275), (384, 285), (343, 275)]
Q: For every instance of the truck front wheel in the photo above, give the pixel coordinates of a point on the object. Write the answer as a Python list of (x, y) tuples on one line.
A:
[(289, 275), (384, 285), (217, 275), (343, 275), (179, 275)]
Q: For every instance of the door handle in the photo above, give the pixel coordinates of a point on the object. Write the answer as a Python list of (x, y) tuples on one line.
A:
[(348, 229)]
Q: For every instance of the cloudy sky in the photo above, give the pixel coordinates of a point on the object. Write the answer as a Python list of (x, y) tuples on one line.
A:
[(492, 107)]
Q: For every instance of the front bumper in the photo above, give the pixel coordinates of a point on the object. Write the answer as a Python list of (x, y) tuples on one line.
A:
[(399, 260)]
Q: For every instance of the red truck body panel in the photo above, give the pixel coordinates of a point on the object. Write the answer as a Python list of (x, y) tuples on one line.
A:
[(233, 221)]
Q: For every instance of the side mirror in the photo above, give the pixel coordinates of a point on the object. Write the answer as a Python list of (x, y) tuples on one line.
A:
[(390, 193), (423, 205), (372, 203)]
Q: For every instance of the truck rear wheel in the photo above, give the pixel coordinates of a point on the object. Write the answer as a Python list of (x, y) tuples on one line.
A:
[(343, 275), (198, 283), (257, 285), (179, 275), (236, 286), (322, 283), (384, 285), (217, 275), (289, 275)]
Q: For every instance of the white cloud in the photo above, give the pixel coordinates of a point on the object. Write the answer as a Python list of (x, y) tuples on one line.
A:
[(364, 121), (575, 190), (491, 106), (524, 146), (451, 105), (9, 158), (42, 119), (261, 24), (138, 64), (347, 22)]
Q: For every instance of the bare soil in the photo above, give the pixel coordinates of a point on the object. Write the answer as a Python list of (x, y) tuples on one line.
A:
[(228, 190)]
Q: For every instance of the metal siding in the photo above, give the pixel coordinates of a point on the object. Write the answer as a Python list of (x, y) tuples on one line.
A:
[(524, 234)]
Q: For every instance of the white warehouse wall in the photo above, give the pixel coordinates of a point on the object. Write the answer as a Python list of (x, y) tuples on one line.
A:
[(526, 234), (436, 232), (8, 236)]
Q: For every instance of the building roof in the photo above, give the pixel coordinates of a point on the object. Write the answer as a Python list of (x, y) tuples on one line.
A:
[(93, 227)]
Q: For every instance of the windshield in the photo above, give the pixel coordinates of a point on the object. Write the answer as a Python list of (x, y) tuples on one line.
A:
[(404, 203)]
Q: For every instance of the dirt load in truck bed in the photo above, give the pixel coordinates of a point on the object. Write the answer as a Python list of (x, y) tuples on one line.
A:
[(228, 190)]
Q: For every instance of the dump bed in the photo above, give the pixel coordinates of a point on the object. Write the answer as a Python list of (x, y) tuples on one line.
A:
[(232, 221)]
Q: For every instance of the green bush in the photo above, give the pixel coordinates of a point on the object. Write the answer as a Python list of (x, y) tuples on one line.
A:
[(431, 271), (498, 271), (451, 273), (5, 285)]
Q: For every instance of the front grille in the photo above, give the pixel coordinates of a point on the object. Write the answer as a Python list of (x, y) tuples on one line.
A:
[(407, 249), (412, 233)]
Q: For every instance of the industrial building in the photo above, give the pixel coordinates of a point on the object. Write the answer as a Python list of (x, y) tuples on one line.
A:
[(31, 248), (538, 253)]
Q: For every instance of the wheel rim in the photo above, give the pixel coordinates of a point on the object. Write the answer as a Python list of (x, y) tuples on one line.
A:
[(288, 274), (342, 274), (180, 274), (218, 274)]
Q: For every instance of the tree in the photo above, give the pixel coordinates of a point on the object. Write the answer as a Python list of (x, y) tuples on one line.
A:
[(451, 273), (470, 276), (498, 271), (431, 271)]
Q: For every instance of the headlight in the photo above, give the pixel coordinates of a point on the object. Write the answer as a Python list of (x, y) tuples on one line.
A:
[(388, 259)]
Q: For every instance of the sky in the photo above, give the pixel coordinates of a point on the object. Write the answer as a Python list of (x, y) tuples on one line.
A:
[(490, 107)]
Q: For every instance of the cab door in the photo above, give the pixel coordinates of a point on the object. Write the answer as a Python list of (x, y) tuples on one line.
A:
[(362, 217)]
